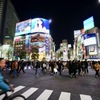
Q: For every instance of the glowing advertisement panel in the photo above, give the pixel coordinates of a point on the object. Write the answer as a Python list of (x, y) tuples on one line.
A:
[(90, 39), (38, 38), (40, 25), (47, 45), (38, 44), (17, 39), (23, 27), (77, 33), (88, 23), (93, 50), (28, 43), (42, 49)]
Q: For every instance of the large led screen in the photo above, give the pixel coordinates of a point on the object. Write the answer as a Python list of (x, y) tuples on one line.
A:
[(23, 27), (88, 23), (40, 25), (90, 39)]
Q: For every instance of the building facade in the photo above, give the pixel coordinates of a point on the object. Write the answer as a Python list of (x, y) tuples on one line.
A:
[(31, 34), (8, 20)]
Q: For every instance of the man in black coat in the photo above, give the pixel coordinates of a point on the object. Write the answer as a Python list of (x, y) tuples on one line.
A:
[(59, 63)]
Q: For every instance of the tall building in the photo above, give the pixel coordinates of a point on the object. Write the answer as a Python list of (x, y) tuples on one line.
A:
[(8, 20), (33, 33)]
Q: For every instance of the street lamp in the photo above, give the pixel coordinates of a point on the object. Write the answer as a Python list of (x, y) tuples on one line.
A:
[(50, 20)]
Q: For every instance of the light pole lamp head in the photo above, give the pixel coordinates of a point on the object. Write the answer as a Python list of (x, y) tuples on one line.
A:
[(50, 20)]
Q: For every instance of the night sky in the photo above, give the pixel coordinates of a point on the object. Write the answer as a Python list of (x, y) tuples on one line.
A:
[(66, 15)]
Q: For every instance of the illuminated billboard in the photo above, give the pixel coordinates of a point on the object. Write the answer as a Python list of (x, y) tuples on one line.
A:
[(38, 38), (35, 25), (17, 39), (40, 25), (90, 39), (23, 27), (28, 43), (42, 49), (88, 23), (93, 50), (38, 44), (77, 33)]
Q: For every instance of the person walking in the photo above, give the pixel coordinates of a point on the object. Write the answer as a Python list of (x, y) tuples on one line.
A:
[(38, 68), (22, 65)]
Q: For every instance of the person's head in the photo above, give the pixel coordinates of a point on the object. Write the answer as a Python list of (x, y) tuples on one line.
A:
[(2, 62)]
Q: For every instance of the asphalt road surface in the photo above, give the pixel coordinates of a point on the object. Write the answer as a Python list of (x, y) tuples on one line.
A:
[(55, 87)]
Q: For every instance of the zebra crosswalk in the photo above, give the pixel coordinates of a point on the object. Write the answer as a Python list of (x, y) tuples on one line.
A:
[(45, 95)]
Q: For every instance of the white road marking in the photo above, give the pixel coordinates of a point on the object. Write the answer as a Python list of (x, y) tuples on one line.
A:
[(15, 90), (29, 92), (85, 97), (64, 96), (45, 95)]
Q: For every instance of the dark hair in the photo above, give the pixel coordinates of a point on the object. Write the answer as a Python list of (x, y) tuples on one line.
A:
[(1, 59)]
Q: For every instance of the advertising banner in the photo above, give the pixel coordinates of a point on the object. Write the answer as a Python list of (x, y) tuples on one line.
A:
[(38, 44), (90, 39), (40, 25), (93, 50), (27, 43), (42, 49), (77, 33), (88, 23), (35, 25), (47, 45), (23, 27), (38, 38), (17, 39)]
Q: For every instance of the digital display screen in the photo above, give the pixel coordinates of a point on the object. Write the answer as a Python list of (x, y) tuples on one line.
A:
[(38, 38), (90, 39), (23, 27), (88, 23), (35, 25), (40, 25), (92, 50)]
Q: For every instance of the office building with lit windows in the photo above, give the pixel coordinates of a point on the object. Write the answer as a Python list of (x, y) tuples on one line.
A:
[(8, 20)]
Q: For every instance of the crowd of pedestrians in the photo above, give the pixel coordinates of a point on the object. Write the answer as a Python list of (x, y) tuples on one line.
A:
[(75, 68)]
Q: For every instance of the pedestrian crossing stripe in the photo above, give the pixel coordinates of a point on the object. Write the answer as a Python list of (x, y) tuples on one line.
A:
[(85, 97), (29, 92), (45, 95), (64, 96)]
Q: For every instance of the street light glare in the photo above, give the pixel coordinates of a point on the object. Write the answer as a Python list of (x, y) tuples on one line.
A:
[(50, 20)]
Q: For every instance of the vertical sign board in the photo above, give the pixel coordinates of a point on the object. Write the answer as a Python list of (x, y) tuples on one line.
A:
[(88, 23)]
